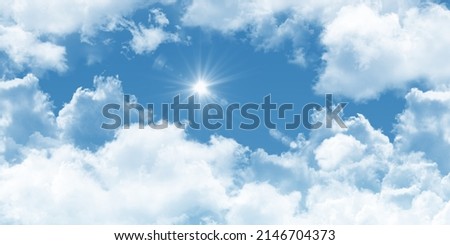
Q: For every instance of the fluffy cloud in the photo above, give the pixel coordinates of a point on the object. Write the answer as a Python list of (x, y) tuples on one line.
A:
[(170, 180), (238, 15), (370, 46), (69, 16), (267, 24), (63, 169), (233, 15), (86, 106), (25, 24), (257, 204), (369, 52), (25, 50), (25, 115), (147, 39), (144, 176), (424, 120), (338, 150)]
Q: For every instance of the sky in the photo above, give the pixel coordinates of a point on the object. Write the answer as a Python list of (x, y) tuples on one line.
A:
[(61, 62)]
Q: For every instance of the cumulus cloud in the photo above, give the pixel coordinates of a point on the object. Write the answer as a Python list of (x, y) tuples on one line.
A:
[(369, 52), (85, 106), (148, 39), (24, 49), (156, 15), (63, 169), (26, 114), (70, 185), (424, 120), (68, 16), (25, 24), (144, 176), (158, 184), (339, 149), (370, 46), (384, 185), (256, 203), (267, 24), (241, 15)]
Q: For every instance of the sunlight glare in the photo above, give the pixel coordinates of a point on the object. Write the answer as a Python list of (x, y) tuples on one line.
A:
[(201, 87)]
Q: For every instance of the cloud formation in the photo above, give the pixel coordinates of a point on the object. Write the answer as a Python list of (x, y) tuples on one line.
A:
[(369, 52), (32, 33), (147, 39), (144, 176), (61, 168), (24, 49), (422, 121), (370, 46)]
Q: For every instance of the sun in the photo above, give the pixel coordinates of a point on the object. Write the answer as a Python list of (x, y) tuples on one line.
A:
[(200, 88)]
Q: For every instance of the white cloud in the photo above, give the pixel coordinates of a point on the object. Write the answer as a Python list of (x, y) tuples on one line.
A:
[(148, 39), (86, 106), (24, 49), (370, 46), (423, 121), (231, 16), (25, 110), (261, 204), (376, 183), (166, 180), (158, 175), (368, 52), (238, 15), (24, 24), (67, 16), (158, 17), (268, 24), (298, 58), (145, 176), (64, 170), (338, 150)]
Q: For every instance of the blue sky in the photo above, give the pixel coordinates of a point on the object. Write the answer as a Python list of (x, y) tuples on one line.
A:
[(387, 60), (245, 74)]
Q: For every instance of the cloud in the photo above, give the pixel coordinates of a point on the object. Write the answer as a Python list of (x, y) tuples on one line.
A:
[(68, 16), (148, 39), (145, 176), (261, 204), (338, 150), (86, 106), (422, 121), (368, 52), (267, 24), (24, 49), (159, 17), (375, 183), (26, 114), (227, 16), (62, 169), (370, 46), (240, 15), (384, 47), (166, 180), (30, 34)]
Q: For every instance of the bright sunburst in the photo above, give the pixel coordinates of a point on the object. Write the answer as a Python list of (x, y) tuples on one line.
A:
[(200, 88)]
